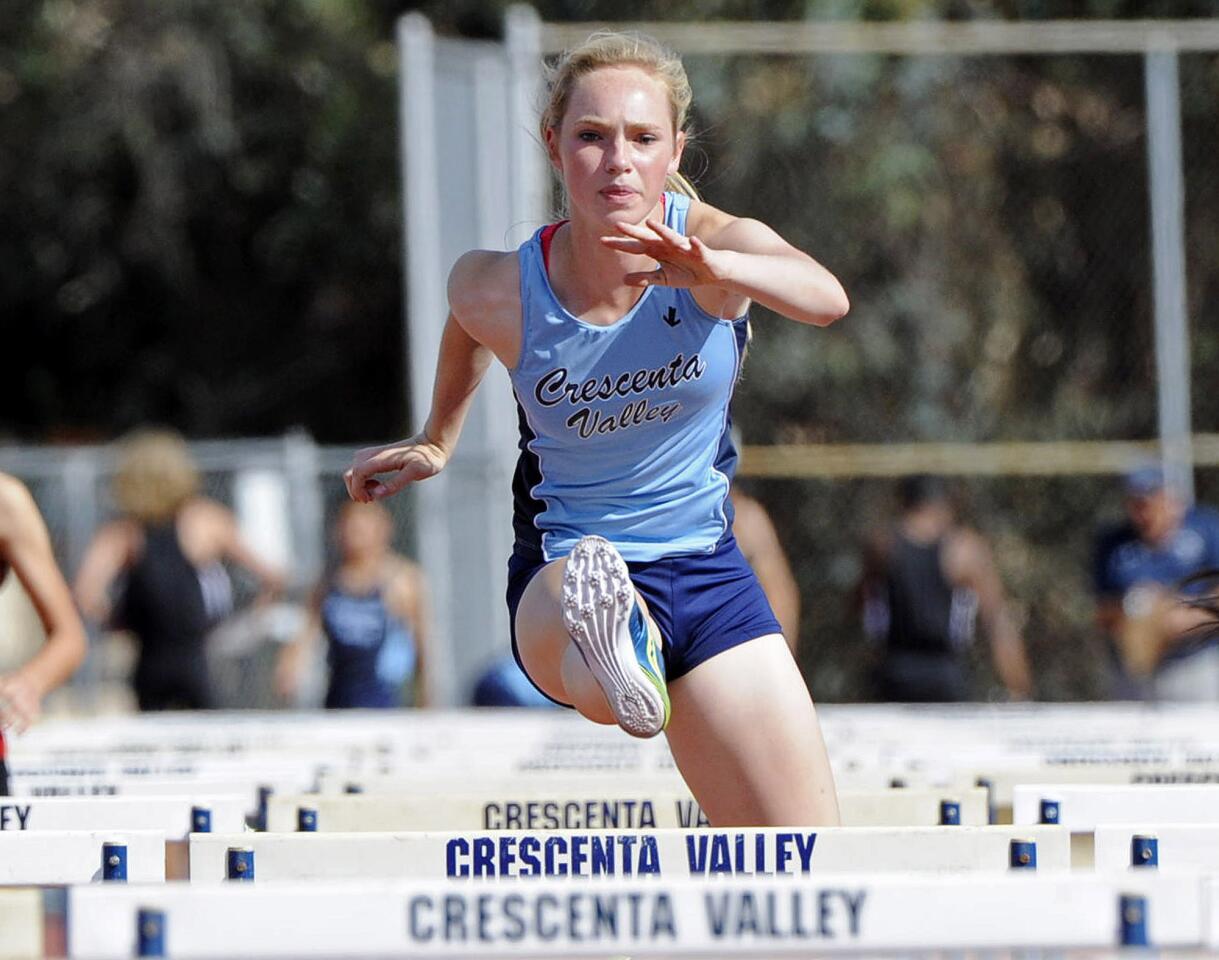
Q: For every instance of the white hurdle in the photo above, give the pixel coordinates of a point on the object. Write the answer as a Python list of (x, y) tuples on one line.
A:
[(536, 834), (170, 815), (1083, 807), (1148, 844), (65, 857), (611, 806), (562, 856), (849, 912)]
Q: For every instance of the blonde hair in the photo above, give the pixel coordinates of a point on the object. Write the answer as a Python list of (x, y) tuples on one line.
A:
[(613, 49), (156, 475)]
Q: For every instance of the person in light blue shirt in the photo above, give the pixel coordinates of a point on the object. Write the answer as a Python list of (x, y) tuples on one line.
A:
[(623, 329)]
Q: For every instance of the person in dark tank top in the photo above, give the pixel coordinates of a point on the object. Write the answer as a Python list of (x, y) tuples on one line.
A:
[(371, 610), (158, 571), (926, 581), (26, 554)]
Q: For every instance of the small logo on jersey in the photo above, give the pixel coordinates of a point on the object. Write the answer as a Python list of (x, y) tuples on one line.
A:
[(671, 318)]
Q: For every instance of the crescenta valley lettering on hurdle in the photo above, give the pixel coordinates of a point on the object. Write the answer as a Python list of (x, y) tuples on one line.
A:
[(14, 816), (633, 917), (629, 855), (584, 815)]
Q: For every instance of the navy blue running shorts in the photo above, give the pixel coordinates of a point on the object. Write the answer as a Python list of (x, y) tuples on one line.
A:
[(703, 603)]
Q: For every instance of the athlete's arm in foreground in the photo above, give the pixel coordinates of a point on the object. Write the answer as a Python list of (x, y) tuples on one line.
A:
[(26, 547), (731, 261)]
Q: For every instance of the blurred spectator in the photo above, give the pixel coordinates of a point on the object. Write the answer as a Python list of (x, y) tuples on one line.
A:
[(926, 581), (25, 549), (1138, 565), (756, 537), (157, 571), (372, 611), (504, 684)]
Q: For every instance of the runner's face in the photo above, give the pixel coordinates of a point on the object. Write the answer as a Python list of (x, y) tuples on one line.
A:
[(363, 533), (615, 144)]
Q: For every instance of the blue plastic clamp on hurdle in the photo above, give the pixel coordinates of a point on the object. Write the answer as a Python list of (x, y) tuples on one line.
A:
[(1022, 854), (200, 820), (306, 820), (1050, 811), (1144, 851), (240, 863), (950, 813), (1133, 923), (114, 862), (150, 933)]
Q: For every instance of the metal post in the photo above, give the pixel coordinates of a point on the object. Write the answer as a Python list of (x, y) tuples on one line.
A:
[(80, 503), (1168, 262), (426, 308), (306, 505), (470, 180), (530, 177), (80, 476)]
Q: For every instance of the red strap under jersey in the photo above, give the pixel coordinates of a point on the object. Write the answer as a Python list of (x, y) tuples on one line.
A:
[(548, 233)]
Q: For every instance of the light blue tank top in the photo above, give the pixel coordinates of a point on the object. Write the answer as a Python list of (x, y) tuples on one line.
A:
[(624, 428)]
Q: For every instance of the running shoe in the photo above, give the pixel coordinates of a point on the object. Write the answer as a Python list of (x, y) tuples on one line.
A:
[(620, 645)]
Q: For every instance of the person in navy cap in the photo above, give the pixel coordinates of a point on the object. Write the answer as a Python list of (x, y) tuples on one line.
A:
[(1142, 566)]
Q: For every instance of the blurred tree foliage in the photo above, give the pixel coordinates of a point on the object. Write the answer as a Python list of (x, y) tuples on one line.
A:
[(201, 220), (200, 225)]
